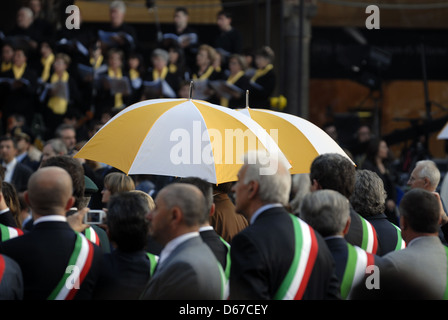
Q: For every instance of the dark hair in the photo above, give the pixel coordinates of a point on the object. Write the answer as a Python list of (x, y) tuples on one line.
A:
[(181, 9), (334, 171), (126, 221), (75, 170), (421, 210), (225, 13)]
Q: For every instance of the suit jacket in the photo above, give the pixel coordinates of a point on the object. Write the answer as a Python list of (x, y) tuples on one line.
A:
[(11, 283), (190, 272), (43, 255), (7, 219), (339, 250), (219, 249), (417, 272), (20, 177), (387, 234), (226, 221), (126, 276), (262, 254)]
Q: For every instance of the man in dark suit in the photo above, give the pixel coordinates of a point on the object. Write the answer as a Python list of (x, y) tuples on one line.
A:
[(45, 253), (265, 252), (419, 271), (336, 172), (11, 279), (129, 265), (16, 173), (187, 268), (328, 212)]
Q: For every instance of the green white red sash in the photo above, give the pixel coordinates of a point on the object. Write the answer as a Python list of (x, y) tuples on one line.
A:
[(2, 267), (355, 269), (81, 259), (401, 244), (9, 232), (369, 237), (306, 249), (153, 259), (227, 270), (91, 234)]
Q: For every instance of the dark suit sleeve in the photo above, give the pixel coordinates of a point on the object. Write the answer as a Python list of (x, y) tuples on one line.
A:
[(247, 278)]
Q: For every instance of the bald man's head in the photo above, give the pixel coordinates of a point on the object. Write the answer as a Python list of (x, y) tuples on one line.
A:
[(50, 191)]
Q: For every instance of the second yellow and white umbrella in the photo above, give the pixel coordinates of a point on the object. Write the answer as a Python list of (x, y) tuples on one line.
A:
[(178, 137), (300, 140)]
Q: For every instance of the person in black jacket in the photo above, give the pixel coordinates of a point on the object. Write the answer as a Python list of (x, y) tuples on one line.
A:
[(263, 253)]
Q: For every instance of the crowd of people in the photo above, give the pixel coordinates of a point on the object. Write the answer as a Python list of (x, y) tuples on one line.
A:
[(339, 232), (52, 75)]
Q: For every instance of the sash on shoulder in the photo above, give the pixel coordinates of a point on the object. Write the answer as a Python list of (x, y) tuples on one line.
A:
[(355, 269), (2, 267), (81, 258), (9, 232), (91, 234), (369, 237), (306, 249), (153, 259), (401, 244)]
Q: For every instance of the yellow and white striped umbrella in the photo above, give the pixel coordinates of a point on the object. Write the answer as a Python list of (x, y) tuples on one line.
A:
[(300, 140), (180, 138)]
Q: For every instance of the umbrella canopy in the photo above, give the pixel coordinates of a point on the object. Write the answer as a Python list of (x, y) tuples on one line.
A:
[(300, 140), (180, 138), (443, 134)]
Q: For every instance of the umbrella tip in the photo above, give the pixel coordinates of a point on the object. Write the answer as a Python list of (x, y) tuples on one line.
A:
[(191, 90)]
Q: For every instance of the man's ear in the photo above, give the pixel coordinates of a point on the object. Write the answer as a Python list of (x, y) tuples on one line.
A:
[(347, 226), (212, 210), (254, 186), (70, 203), (176, 215), (26, 196), (315, 185)]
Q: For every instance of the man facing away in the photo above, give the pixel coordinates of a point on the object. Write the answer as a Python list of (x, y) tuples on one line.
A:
[(187, 269), (265, 252), (57, 263)]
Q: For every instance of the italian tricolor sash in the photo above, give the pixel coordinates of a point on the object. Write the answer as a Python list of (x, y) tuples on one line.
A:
[(369, 237), (355, 269), (153, 259), (227, 270), (401, 244), (91, 234), (81, 259), (306, 249), (2, 267), (9, 232)]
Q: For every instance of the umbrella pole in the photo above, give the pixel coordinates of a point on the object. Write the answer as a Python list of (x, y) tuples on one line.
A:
[(191, 90), (247, 98)]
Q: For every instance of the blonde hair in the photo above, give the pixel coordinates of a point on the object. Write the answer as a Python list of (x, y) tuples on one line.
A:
[(150, 200), (118, 182)]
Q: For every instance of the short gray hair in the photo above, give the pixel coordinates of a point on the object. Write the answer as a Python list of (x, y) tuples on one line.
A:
[(327, 211), (119, 5), (369, 195), (160, 53), (57, 145), (429, 170), (274, 187)]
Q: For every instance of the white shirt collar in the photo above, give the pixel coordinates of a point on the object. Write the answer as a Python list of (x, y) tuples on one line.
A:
[(4, 210), (262, 209), (170, 246), (205, 228), (53, 217)]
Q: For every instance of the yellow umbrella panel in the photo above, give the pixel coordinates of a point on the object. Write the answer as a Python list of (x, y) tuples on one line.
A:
[(300, 140), (178, 137)]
